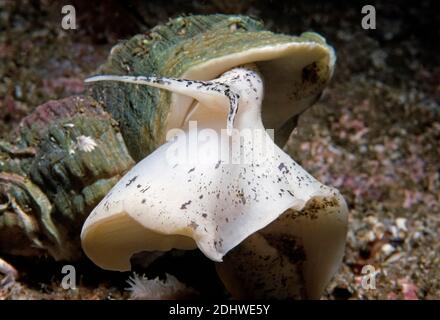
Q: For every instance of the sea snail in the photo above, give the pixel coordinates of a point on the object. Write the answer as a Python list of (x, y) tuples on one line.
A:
[(279, 232)]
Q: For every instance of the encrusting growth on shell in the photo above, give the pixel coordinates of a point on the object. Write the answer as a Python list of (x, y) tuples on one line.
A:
[(49, 182)]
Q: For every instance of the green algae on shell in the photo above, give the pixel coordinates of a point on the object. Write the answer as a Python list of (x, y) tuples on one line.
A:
[(74, 155)]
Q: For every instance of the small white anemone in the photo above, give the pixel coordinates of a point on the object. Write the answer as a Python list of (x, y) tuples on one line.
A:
[(85, 143), (142, 288)]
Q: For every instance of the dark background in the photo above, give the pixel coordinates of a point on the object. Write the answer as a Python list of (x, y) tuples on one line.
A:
[(374, 134)]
